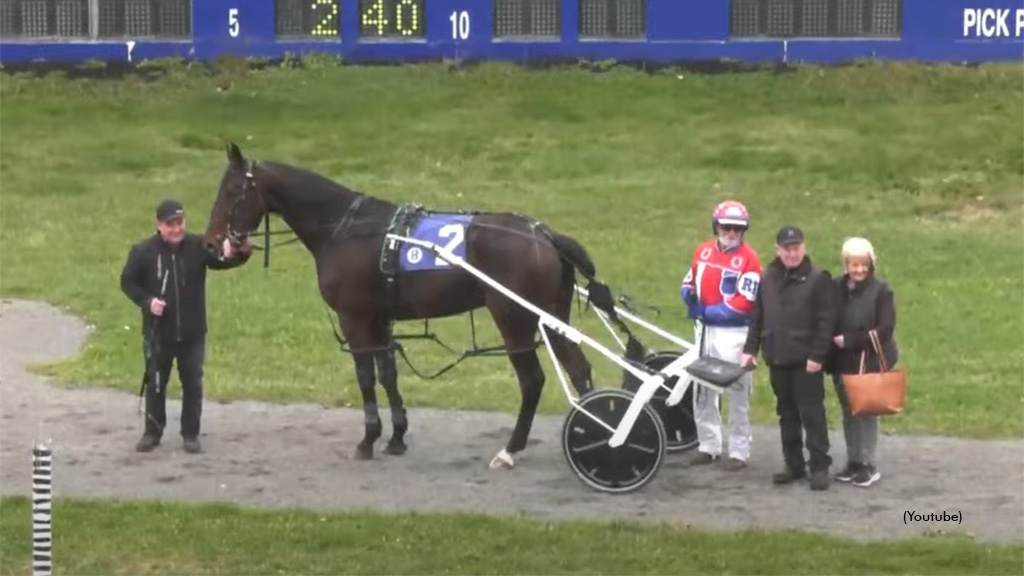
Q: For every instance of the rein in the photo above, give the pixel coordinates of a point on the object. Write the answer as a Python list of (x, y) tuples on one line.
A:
[(266, 240)]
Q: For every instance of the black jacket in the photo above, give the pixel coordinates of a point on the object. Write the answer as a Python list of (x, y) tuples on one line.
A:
[(870, 305), (184, 316), (793, 315)]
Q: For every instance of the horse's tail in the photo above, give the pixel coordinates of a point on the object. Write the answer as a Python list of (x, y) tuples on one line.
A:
[(575, 253), (598, 293)]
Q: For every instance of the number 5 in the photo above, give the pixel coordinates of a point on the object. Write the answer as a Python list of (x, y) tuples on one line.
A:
[(233, 22)]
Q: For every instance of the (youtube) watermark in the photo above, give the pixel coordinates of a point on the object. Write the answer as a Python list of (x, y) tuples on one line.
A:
[(915, 516)]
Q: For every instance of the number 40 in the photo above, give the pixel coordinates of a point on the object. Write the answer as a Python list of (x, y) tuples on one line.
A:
[(460, 25)]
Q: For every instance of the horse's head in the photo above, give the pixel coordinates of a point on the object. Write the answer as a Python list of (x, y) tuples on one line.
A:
[(239, 206)]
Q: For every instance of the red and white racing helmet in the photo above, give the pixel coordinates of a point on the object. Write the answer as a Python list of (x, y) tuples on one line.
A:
[(730, 212)]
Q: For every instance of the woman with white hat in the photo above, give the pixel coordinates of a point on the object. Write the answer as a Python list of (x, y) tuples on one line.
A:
[(866, 303)]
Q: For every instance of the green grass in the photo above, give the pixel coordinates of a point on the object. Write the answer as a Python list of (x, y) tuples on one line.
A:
[(926, 161), (94, 537)]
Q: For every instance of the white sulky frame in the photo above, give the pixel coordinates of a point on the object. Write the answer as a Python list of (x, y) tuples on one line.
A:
[(677, 368), (649, 382), (636, 320)]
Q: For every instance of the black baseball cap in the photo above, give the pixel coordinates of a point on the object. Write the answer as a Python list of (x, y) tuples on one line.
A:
[(169, 210), (789, 235)]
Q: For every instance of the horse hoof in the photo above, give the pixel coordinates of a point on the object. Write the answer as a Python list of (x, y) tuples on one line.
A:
[(502, 460), (364, 452), (396, 448)]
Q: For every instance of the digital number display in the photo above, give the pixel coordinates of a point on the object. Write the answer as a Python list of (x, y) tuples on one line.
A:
[(392, 18), (308, 18), (613, 18), (44, 18), (522, 18), (145, 18), (816, 18), (95, 19)]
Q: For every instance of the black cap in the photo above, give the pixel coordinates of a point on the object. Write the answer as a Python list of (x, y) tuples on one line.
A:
[(789, 235), (169, 210)]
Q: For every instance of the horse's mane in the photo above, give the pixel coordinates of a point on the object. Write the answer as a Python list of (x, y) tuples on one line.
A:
[(307, 179), (331, 202)]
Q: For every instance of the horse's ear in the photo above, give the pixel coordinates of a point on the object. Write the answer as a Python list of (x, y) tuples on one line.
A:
[(235, 155)]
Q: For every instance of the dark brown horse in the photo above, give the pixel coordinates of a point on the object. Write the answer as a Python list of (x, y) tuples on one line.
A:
[(345, 232)]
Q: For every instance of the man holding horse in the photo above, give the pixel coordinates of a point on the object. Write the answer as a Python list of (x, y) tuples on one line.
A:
[(719, 290), (165, 276)]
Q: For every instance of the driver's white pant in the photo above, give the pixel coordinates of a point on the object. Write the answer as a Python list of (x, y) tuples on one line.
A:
[(725, 343)]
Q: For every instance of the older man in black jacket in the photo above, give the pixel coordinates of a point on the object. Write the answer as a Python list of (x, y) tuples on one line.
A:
[(791, 324), (165, 276)]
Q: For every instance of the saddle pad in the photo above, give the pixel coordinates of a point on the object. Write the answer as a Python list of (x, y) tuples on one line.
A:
[(444, 229), (715, 371)]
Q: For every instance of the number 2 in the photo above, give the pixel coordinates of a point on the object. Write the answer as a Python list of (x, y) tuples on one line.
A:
[(460, 25), (233, 26), (456, 233), (326, 25)]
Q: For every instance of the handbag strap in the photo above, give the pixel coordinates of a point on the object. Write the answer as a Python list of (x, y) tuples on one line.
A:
[(877, 344)]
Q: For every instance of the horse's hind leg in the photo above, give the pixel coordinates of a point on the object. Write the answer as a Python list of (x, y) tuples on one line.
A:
[(387, 373), (518, 328), (531, 383), (570, 355)]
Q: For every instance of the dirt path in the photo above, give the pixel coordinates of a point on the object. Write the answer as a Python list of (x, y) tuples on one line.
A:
[(300, 456)]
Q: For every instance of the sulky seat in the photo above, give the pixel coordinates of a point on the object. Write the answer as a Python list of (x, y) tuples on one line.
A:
[(715, 371)]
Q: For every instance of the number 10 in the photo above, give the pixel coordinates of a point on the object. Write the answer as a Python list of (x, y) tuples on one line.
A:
[(460, 25)]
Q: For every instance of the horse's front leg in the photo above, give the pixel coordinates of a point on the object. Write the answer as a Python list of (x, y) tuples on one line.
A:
[(365, 376), (388, 374)]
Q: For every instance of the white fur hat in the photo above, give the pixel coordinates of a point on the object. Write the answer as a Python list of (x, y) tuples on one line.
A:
[(858, 247)]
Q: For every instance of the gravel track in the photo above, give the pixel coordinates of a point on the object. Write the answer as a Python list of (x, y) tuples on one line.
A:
[(300, 455)]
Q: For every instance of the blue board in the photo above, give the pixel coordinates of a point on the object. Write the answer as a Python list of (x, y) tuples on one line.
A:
[(445, 230), (819, 31)]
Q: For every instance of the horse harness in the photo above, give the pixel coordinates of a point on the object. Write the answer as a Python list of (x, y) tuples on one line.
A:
[(402, 223)]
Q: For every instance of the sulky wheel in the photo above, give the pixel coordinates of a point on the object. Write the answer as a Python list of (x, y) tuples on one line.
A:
[(585, 443), (678, 420)]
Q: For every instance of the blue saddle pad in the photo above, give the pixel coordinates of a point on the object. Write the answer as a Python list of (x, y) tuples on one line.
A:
[(447, 230)]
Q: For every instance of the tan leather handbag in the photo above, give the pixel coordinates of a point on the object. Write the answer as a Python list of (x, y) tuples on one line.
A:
[(876, 393)]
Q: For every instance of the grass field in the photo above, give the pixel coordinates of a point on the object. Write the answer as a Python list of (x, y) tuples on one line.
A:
[(158, 538), (927, 162)]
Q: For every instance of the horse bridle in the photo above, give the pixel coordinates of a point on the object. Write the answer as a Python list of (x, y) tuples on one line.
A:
[(234, 236)]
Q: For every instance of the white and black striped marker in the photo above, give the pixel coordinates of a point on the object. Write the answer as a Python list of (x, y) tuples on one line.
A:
[(42, 529)]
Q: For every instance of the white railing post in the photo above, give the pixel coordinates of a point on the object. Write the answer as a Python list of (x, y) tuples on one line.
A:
[(42, 499)]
